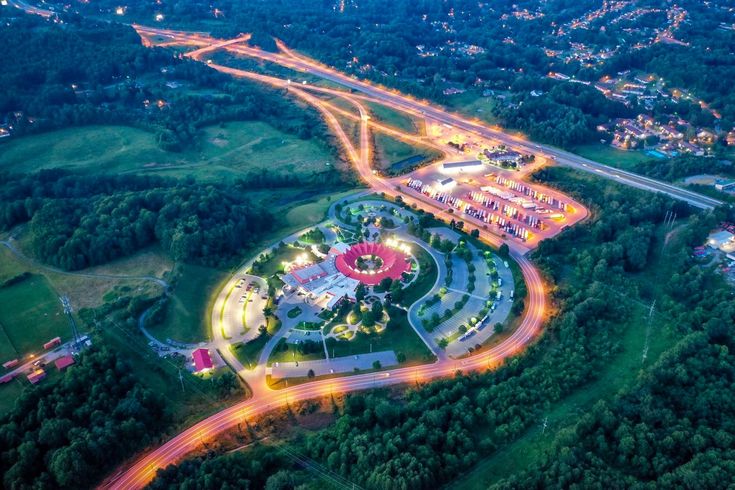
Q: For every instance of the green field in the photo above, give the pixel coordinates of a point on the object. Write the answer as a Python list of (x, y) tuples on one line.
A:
[(188, 307), (292, 354), (425, 280), (9, 266), (225, 152), (473, 104), (394, 118), (313, 212), (248, 353), (31, 314), (610, 156)]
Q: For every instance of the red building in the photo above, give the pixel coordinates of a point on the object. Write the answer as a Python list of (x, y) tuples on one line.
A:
[(64, 362), (202, 361)]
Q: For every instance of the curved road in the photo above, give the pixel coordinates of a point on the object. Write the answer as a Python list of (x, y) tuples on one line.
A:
[(143, 470)]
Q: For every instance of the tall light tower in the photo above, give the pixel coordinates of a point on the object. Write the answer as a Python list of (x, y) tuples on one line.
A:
[(67, 309)]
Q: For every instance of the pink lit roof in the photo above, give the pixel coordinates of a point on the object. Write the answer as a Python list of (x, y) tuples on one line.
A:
[(395, 263), (201, 360)]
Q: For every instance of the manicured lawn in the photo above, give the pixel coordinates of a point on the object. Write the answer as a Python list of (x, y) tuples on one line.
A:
[(285, 352), (275, 262), (398, 337), (188, 308), (225, 152), (248, 353), (31, 314), (294, 312), (610, 156), (425, 280), (313, 212)]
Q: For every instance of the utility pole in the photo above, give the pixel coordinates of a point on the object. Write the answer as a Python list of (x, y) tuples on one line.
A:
[(546, 424), (68, 311), (181, 379)]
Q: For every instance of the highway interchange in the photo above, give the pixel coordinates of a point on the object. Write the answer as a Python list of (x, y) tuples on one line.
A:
[(143, 469)]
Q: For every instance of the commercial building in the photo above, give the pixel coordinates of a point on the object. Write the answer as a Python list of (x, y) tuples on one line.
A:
[(723, 240), (337, 277), (467, 166)]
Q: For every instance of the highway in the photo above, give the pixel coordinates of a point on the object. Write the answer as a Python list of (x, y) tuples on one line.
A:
[(141, 471), (418, 108)]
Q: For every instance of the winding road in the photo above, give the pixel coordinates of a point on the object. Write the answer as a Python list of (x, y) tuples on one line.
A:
[(141, 471)]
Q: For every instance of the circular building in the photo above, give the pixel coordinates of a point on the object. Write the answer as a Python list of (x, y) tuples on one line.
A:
[(370, 263)]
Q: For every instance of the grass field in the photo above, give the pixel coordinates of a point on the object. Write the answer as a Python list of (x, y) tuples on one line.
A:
[(9, 266), (425, 280), (292, 353), (226, 152), (311, 213), (474, 105), (31, 314), (249, 353), (188, 308), (610, 156), (394, 118)]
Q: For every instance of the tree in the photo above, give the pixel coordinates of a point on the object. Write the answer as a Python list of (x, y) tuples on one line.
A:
[(504, 251), (498, 328), (360, 292), (462, 329), (310, 374), (376, 364)]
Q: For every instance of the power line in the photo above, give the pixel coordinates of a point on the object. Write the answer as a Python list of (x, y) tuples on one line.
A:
[(74, 330)]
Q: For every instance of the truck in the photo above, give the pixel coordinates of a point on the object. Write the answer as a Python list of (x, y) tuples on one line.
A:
[(511, 294), (500, 281), (500, 295)]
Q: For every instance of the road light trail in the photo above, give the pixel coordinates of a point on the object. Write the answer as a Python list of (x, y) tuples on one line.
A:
[(143, 470)]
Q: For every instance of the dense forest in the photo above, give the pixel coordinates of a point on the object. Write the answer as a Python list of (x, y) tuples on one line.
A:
[(77, 221), (69, 433), (435, 432)]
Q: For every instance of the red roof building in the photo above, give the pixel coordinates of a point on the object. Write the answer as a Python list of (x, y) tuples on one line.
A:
[(64, 362), (52, 343), (202, 360)]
